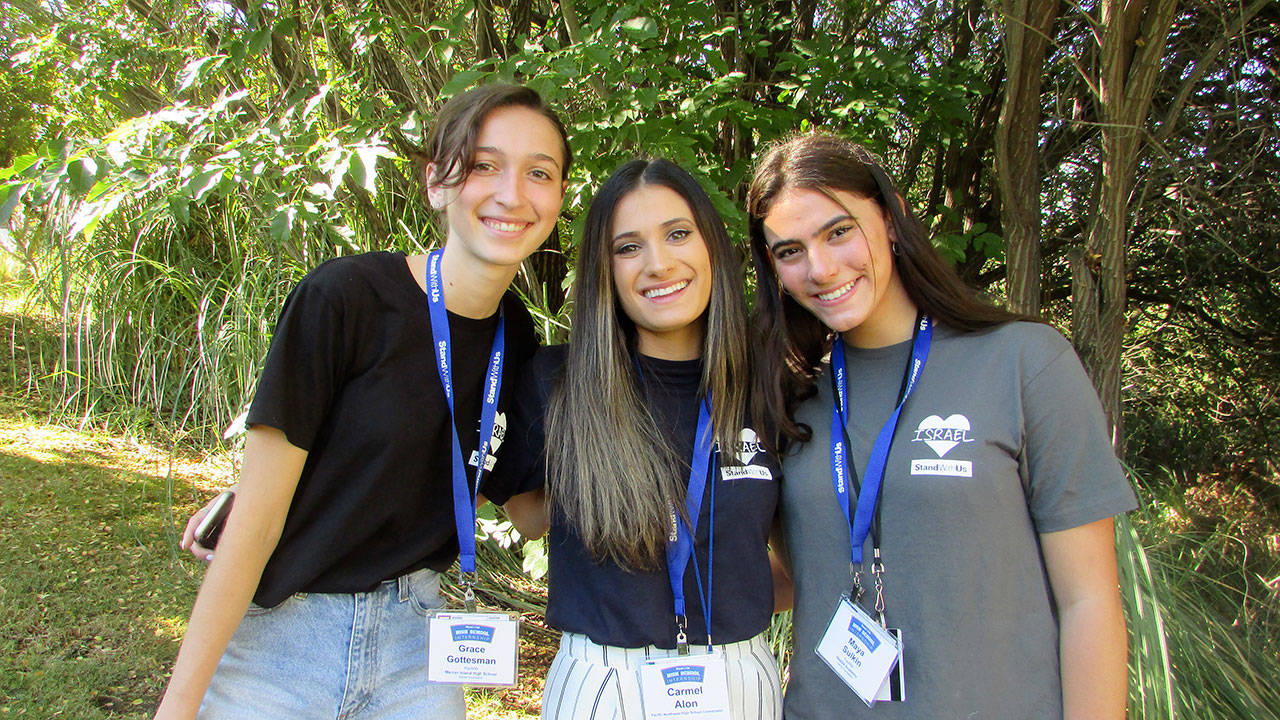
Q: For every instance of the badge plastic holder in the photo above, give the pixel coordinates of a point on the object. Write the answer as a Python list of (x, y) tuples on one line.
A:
[(460, 641)]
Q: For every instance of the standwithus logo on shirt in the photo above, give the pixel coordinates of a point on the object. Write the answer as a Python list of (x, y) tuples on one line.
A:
[(745, 451), (499, 434), (942, 436)]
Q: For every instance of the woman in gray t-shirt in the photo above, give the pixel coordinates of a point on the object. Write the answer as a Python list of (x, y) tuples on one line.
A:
[(953, 454)]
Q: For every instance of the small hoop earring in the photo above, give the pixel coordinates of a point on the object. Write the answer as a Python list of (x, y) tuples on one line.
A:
[(893, 248)]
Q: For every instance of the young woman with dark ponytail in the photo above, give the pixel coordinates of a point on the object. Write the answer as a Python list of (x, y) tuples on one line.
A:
[(953, 455)]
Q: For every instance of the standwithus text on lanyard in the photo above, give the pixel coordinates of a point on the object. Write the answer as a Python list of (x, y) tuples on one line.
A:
[(468, 648), (690, 686), (863, 652), (866, 516), (680, 546), (464, 498)]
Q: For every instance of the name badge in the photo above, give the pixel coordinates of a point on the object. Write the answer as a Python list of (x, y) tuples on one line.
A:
[(858, 650), (472, 648), (685, 686)]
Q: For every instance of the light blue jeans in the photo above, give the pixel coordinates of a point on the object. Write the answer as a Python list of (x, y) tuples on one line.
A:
[(335, 656)]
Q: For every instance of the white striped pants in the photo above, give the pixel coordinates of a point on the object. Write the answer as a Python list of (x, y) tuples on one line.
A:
[(602, 682)]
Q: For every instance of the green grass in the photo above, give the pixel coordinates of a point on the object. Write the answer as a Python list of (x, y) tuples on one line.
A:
[(1212, 592), (94, 590), (94, 593)]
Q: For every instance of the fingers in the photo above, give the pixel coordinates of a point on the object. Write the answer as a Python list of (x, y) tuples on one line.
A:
[(188, 541)]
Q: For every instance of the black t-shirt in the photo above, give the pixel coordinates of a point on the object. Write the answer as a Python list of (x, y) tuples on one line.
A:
[(614, 606), (350, 377)]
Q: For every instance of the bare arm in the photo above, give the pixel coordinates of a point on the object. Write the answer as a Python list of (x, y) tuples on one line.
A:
[(1093, 645), (528, 512), (268, 479), (784, 591)]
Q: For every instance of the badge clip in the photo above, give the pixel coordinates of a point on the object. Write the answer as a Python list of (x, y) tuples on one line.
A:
[(682, 640), (468, 582), (877, 573)]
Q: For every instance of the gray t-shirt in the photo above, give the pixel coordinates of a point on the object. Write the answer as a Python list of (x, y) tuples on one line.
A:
[(1002, 439)]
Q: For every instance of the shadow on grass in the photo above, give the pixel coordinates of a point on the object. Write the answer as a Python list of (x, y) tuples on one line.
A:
[(94, 588)]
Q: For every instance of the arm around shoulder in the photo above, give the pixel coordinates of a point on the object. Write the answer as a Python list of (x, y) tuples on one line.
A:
[(784, 590), (528, 512), (268, 478)]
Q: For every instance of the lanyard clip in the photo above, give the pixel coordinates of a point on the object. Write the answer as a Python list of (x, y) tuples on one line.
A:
[(682, 640), (468, 582), (855, 593), (877, 573)]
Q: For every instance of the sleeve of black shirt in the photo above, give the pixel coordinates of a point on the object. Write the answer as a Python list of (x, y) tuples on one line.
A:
[(522, 465), (305, 363)]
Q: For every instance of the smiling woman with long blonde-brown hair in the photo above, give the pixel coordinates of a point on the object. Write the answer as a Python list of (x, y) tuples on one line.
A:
[(658, 542)]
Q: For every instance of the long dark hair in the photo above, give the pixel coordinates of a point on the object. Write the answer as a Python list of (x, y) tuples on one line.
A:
[(791, 341), (609, 470)]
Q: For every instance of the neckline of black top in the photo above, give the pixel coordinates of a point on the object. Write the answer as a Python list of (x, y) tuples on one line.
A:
[(457, 323), (673, 374)]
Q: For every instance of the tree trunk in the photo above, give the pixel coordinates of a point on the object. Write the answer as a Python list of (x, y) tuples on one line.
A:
[(1028, 24), (1132, 38)]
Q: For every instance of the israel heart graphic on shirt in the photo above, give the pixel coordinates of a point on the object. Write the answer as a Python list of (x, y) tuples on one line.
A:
[(943, 435), (499, 432), (748, 446)]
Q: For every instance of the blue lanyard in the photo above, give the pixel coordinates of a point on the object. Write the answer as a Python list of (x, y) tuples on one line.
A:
[(841, 473), (681, 549), (464, 498)]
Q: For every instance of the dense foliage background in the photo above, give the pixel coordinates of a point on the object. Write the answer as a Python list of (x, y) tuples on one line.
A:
[(171, 168)]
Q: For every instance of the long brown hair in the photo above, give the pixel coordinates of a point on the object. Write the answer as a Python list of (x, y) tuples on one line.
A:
[(609, 470), (792, 341), (451, 147)]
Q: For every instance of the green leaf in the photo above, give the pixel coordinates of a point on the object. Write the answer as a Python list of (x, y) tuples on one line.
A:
[(200, 185), (535, 558), (365, 170), (282, 224), (258, 40), (83, 173), (99, 189), (180, 208), (190, 74), (19, 166), (412, 128), (460, 81), (90, 215), (640, 28), (10, 196)]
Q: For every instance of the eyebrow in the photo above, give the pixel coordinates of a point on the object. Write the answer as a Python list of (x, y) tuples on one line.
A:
[(825, 227), (670, 223), (538, 155)]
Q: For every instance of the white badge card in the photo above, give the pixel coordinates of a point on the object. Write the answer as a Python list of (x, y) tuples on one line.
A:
[(479, 648), (894, 688), (858, 650), (685, 686)]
